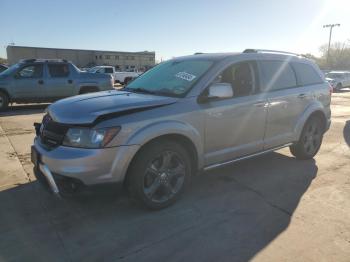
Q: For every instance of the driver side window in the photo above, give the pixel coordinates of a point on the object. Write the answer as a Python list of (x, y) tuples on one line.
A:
[(241, 77), (31, 71)]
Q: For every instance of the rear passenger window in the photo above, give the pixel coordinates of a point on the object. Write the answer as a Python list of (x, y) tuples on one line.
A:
[(277, 75), (306, 74), (58, 70), (109, 70)]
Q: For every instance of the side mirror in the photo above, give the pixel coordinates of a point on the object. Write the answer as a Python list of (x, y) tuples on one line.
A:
[(220, 91)]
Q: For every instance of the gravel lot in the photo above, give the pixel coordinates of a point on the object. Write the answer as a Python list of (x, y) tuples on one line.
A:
[(273, 208)]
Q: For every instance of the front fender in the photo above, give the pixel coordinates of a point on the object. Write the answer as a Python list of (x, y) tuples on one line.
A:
[(169, 127), (313, 108)]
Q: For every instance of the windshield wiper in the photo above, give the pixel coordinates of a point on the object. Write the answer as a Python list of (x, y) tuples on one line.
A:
[(140, 90), (161, 92)]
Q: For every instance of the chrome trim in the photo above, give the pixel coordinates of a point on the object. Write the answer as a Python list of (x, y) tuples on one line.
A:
[(245, 157), (47, 173)]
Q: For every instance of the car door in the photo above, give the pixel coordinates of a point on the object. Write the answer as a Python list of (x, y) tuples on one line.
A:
[(287, 100), (28, 82), (60, 81), (235, 127)]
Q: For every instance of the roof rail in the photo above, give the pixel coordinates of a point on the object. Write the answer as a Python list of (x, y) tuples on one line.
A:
[(198, 53), (269, 51), (28, 60)]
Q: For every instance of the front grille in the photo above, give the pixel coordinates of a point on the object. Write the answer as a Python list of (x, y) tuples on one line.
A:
[(51, 132)]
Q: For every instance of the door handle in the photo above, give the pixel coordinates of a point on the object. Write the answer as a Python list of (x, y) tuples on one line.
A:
[(70, 81), (301, 96), (40, 82)]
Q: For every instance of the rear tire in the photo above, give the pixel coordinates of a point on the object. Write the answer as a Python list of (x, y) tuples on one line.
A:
[(310, 140), (159, 174), (4, 101)]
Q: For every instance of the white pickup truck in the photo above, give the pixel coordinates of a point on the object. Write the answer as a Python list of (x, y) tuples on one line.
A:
[(119, 77)]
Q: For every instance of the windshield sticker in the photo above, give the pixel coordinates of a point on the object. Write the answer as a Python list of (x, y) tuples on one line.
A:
[(185, 76)]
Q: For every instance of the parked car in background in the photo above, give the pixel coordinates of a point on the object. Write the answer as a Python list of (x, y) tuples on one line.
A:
[(101, 70), (187, 114), (2, 68), (338, 79), (125, 77), (37, 80)]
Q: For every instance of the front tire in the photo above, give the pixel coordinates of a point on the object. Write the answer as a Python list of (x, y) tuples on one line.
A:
[(4, 101), (310, 140), (159, 174)]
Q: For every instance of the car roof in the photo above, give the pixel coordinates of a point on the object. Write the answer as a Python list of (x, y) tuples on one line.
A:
[(206, 56), (253, 55)]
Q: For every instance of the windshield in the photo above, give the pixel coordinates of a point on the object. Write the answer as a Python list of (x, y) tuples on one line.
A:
[(172, 78), (335, 75), (11, 69)]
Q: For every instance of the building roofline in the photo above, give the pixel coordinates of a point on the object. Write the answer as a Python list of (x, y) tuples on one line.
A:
[(88, 50)]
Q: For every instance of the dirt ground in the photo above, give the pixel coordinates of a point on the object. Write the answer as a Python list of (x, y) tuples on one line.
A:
[(272, 208)]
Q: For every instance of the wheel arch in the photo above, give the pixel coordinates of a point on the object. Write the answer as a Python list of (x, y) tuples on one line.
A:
[(181, 139), (312, 111), (3, 90), (176, 131)]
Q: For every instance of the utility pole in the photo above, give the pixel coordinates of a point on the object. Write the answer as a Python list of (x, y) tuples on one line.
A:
[(330, 37)]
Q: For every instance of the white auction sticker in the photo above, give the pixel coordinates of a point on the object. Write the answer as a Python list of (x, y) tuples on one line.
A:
[(185, 76)]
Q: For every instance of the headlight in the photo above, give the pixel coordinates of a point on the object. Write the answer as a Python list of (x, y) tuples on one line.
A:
[(90, 138)]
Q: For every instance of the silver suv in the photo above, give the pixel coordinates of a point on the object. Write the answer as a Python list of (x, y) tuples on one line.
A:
[(185, 115)]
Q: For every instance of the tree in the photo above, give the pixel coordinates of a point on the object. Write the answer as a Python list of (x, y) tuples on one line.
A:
[(339, 57), (3, 60)]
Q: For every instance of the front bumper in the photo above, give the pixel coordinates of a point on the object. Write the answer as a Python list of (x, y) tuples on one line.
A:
[(89, 166), (43, 169)]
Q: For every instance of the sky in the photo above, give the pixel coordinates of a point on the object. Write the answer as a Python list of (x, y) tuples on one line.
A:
[(174, 28)]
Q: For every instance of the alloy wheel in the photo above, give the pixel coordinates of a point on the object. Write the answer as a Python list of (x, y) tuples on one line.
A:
[(312, 138), (164, 177)]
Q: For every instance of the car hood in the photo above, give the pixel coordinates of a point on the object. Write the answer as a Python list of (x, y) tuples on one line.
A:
[(329, 79), (86, 109)]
